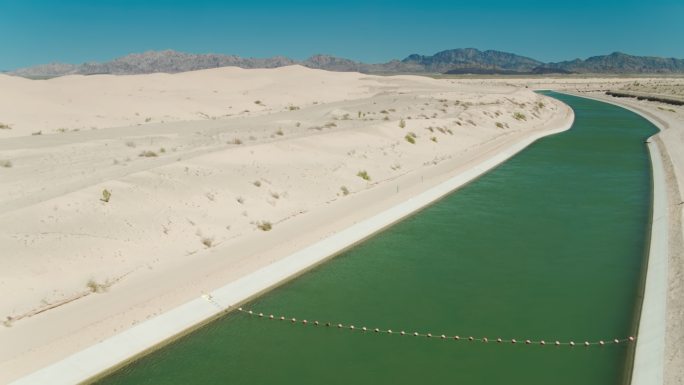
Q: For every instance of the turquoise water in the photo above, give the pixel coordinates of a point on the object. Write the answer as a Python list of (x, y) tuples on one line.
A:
[(549, 245)]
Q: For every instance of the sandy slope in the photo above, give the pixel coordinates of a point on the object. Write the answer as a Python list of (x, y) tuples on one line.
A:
[(74, 269)]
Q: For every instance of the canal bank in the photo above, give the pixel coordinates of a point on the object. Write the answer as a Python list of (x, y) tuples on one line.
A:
[(149, 335)]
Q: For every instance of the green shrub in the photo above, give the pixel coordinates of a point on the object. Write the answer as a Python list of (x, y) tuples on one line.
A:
[(106, 195), (148, 154), (519, 116), (264, 226), (363, 175)]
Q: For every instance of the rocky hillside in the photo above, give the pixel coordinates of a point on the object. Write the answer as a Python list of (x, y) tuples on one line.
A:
[(621, 63), (455, 59)]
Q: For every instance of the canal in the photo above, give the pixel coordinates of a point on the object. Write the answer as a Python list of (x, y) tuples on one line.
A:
[(548, 246)]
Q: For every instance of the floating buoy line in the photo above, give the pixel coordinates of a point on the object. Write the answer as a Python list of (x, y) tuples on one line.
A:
[(364, 329)]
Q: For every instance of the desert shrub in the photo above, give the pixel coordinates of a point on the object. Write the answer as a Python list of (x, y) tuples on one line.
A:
[(433, 138), (264, 225), (345, 190), (236, 141), (409, 138), (147, 154), (280, 132), (4, 126), (363, 175), (257, 183), (292, 108), (130, 144), (402, 123), (499, 124), (106, 195), (95, 286), (519, 116), (208, 242), (5, 163), (240, 200)]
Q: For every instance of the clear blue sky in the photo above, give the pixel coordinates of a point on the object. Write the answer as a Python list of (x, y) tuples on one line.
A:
[(73, 31)]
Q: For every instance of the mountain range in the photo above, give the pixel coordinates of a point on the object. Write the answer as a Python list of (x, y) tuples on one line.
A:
[(454, 61)]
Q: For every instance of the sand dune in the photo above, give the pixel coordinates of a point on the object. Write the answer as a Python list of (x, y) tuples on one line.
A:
[(212, 175)]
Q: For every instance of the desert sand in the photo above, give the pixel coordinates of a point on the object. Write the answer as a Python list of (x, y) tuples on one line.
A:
[(210, 175)]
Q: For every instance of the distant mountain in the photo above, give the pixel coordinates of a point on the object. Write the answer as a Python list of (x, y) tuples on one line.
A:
[(620, 63), (454, 61), (472, 58)]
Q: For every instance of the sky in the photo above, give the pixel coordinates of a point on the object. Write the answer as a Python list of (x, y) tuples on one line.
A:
[(74, 31)]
